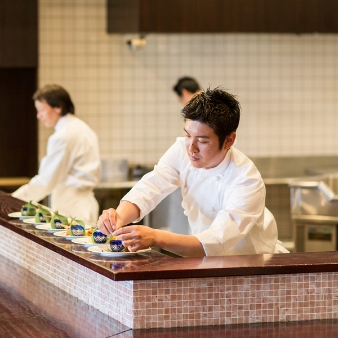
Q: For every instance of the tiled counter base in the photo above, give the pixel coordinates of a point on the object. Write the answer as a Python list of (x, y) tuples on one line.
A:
[(112, 298), (186, 301)]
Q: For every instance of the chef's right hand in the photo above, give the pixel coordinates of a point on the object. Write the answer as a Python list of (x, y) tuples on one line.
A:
[(109, 221)]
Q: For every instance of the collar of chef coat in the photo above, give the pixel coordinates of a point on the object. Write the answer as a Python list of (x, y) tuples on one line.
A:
[(62, 121), (216, 170)]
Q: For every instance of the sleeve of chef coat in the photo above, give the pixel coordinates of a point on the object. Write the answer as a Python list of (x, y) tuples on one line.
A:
[(53, 170), (242, 208), (157, 184)]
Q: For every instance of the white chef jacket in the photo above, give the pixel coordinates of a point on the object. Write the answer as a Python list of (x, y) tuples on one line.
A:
[(69, 171), (225, 205)]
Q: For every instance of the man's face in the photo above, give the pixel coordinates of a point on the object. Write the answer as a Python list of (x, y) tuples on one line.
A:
[(185, 97), (202, 145), (48, 115)]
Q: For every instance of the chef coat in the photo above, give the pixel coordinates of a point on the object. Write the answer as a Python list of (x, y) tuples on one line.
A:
[(225, 205), (69, 171)]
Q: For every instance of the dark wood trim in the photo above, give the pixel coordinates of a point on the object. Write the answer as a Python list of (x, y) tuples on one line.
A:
[(19, 33), (123, 16), (221, 16), (18, 123)]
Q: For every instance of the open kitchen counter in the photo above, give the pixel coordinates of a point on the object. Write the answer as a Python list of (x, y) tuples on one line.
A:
[(154, 290)]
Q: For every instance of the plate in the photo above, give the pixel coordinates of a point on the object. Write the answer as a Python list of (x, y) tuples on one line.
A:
[(17, 214), (103, 251), (31, 221), (86, 241), (63, 234), (47, 226)]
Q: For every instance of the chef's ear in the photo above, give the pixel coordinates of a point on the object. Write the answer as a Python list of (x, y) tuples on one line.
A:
[(58, 110), (230, 140)]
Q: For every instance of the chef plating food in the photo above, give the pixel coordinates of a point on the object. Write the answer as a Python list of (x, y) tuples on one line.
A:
[(223, 191)]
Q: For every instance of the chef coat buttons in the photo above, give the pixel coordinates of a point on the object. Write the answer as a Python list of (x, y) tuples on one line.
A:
[(213, 209), (216, 178)]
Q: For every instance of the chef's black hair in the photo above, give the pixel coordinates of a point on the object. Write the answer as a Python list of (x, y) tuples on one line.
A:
[(57, 97), (188, 83), (216, 108)]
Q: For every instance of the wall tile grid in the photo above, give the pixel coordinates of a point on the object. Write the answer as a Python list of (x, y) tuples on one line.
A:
[(287, 83), (182, 302)]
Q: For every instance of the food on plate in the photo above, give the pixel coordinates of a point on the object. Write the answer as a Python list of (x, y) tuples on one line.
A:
[(98, 236), (89, 231), (59, 221), (42, 215), (28, 209), (115, 245), (76, 228)]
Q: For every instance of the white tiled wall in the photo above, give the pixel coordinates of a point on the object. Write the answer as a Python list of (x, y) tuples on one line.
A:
[(287, 83)]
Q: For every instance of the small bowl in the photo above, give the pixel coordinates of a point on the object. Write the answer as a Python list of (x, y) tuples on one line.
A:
[(116, 245), (42, 219), (99, 237), (58, 224), (27, 211), (78, 230)]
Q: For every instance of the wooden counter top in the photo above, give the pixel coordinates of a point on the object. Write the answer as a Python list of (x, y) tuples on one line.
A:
[(154, 265), (13, 181)]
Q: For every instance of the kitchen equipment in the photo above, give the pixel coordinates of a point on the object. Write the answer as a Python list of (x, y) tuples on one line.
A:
[(114, 170), (138, 171), (314, 212)]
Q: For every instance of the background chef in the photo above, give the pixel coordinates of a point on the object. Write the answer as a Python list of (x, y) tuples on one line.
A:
[(185, 88), (71, 168)]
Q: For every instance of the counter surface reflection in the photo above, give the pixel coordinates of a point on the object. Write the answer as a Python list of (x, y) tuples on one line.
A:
[(156, 265)]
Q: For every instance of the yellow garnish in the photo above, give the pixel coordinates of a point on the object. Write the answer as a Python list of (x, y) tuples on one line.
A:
[(89, 232)]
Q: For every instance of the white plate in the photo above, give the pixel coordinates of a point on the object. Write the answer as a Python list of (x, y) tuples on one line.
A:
[(32, 221), (17, 214), (47, 226), (103, 251), (86, 241), (63, 234)]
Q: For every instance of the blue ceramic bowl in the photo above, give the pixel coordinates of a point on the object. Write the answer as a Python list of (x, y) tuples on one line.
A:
[(78, 230), (28, 211), (99, 237), (42, 218), (58, 224), (116, 245)]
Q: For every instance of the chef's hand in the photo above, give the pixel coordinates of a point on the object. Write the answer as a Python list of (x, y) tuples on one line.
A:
[(136, 237), (109, 221)]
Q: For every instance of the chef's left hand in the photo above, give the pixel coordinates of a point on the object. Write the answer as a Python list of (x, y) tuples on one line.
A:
[(136, 237)]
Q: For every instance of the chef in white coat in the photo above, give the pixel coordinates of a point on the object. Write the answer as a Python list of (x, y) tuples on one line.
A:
[(71, 168), (185, 88), (223, 191)]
